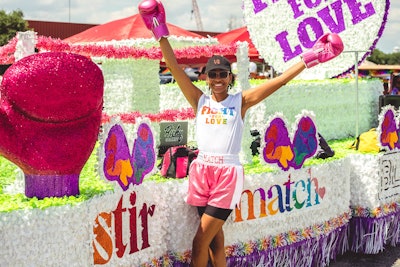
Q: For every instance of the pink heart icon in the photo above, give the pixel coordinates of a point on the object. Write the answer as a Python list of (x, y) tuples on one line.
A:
[(321, 192)]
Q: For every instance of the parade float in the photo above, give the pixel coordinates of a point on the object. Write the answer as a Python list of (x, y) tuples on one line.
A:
[(293, 211)]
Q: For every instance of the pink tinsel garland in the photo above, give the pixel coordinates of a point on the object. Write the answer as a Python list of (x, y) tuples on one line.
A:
[(166, 115), (110, 51), (7, 52)]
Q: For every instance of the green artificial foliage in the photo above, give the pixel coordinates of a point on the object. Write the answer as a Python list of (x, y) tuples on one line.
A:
[(91, 184)]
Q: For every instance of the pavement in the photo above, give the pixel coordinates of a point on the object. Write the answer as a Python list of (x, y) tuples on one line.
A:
[(389, 257)]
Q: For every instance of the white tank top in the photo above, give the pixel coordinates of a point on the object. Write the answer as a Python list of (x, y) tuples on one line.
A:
[(219, 125)]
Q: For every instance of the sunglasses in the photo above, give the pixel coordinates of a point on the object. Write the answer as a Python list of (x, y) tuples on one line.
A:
[(214, 74)]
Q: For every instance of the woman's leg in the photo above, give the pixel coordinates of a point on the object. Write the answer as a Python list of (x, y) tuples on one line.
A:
[(208, 229), (217, 250)]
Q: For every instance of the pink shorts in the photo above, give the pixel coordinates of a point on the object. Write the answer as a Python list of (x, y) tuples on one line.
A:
[(216, 181)]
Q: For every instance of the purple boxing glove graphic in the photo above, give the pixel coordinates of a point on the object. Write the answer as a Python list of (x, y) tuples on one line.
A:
[(153, 15), (327, 47), (280, 150)]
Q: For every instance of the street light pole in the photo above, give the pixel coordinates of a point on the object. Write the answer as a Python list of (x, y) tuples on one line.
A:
[(357, 93)]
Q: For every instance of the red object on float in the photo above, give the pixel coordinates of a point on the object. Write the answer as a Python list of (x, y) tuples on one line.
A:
[(131, 27), (239, 35)]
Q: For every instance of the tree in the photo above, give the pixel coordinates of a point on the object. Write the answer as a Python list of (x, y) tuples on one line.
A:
[(378, 57), (10, 24), (394, 59)]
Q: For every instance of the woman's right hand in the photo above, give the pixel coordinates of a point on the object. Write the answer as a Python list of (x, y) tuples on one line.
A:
[(153, 15)]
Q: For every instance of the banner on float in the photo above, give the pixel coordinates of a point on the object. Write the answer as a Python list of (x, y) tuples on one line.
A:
[(389, 177), (283, 30)]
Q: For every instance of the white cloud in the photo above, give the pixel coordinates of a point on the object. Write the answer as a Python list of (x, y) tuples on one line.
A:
[(390, 37)]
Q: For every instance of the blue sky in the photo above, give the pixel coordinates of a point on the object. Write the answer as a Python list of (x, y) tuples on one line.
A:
[(216, 16)]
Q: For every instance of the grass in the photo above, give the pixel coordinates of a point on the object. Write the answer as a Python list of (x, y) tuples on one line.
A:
[(91, 184)]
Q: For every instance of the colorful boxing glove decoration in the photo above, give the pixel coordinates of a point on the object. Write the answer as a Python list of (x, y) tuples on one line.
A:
[(50, 116), (327, 47), (153, 15)]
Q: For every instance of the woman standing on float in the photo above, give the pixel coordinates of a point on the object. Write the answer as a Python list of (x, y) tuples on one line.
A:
[(216, 176)]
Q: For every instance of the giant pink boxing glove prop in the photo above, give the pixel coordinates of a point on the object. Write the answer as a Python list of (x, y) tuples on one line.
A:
[(153, 15), (50, 116), (327, 47)]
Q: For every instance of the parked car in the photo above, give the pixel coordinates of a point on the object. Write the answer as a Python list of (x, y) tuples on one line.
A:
[(192, 73), (166, 76)]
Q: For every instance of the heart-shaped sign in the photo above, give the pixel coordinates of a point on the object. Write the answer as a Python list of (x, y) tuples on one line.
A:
[(282, 30)]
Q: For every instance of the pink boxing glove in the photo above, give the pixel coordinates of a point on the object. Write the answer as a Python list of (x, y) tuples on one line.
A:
[(50, 115), (153, 15), (327, 47)]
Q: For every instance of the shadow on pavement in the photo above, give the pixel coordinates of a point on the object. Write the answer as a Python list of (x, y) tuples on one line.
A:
[(390, 257)]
